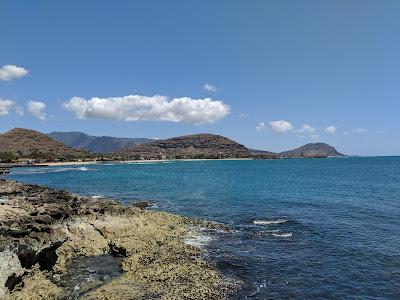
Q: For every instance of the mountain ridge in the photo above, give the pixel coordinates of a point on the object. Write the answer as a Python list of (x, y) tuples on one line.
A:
[(95, 144), (29, 143)]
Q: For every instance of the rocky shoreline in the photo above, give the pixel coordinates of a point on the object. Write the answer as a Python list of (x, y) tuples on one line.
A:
[(43, 230)]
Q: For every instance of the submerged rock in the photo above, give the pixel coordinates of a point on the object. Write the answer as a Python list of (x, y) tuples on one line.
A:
[(42, 231)]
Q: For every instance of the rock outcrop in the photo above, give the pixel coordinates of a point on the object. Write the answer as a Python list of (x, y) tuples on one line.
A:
[(41, 230)]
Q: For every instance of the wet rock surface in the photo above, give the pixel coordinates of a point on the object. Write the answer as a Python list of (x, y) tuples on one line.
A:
[(43, 232)]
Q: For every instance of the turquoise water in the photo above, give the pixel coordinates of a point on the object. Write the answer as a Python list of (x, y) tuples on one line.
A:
[(304, 229)]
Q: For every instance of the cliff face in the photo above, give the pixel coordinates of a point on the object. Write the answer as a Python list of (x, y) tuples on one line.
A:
[(312, 150), (190, 146), (30, 143), (96, 144)]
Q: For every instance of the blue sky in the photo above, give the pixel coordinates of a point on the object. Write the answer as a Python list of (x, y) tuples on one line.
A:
[(279, 73)]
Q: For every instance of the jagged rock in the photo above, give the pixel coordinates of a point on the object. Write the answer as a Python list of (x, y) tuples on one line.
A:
[(55, 226), (10, 272)]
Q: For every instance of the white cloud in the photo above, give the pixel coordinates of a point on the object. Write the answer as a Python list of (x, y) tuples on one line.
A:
[(314, 136), (280, 126), (361, 130), (306, 129), (331, 129), (5, 106), (209, 87), (261, 126), (10, 72), (36, 108), (145, 108), (19, 110), (379, 132)]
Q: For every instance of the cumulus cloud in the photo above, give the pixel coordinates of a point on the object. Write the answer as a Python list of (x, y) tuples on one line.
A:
[(281, 126), (36, 109), (10, 72), (331, 129), (209, 87), (244, 115), (6, 106), (149, 108)]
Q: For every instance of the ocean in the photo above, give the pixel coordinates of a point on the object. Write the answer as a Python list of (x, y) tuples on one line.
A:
[(302, 228)]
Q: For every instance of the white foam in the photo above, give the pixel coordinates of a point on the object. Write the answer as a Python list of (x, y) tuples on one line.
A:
[(283, 234), (270, 222), (83, 169), (97, 196), (198, 240)]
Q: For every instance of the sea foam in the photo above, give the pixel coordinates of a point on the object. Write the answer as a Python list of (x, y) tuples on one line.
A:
[(197, 238), (270, 222), (283, 234)]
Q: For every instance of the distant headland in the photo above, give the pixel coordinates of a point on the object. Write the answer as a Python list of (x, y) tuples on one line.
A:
[(28, 146)]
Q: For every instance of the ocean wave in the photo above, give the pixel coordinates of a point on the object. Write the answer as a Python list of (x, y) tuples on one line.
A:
[(197, 238), (275, 233), (283, 234), (270, 222)]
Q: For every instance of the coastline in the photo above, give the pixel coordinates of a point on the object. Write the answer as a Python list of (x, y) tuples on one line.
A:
[(42, 230), (73, 163)]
